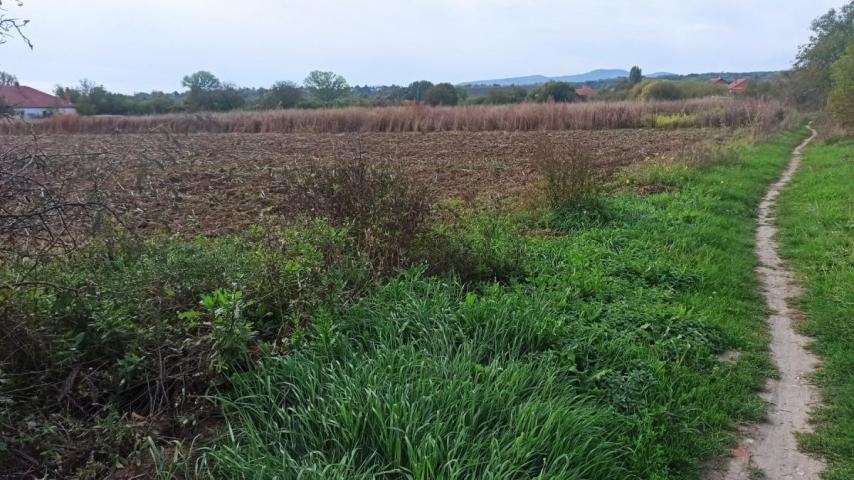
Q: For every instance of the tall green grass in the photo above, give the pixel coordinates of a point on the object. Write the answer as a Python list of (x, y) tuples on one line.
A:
[(599, 360), (816, 218)]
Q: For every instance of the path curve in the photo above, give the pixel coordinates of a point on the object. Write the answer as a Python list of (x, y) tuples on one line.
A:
[(771, 447)]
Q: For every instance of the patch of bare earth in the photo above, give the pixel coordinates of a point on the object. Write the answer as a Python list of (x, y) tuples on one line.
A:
[(210, 183), (770, 450)]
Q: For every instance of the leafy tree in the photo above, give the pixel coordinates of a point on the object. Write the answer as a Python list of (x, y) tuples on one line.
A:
[(201, 81), (660, 90), (7, 79), (635, 75), (832, 33), (841, 99), (327, 87), (282, 95), (555, 91), (442, 94), (416, 91)]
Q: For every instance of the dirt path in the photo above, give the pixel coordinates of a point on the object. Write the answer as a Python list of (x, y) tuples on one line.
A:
[(771, 447)]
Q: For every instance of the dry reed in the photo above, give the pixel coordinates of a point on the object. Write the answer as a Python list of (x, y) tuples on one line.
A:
[(707, 112)]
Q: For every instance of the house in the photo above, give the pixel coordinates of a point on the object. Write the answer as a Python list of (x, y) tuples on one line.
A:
[(719, 81), (585, 92), (30, 103), (739, 86)]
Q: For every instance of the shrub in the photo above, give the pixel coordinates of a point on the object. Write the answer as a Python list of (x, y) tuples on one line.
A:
[(382, 211), (442, 94), (568, 172), (658, 90)]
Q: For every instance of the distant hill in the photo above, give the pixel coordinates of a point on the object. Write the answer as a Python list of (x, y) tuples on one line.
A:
[(604, 75), (593, 76)]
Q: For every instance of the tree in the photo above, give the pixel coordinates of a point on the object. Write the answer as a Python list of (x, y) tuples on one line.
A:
[(660, 90), (417, 90), (327, 87), (555, 91), (442, 94), (832, 33), (282, 95), (7, 79), (635, 75), (201, 81), (840, 102), (11, 27)]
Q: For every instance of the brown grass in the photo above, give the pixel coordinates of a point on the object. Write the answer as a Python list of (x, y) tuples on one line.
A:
[(707, 112)]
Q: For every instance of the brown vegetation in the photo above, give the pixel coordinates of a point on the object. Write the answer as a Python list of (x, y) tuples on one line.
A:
[(707, 112)]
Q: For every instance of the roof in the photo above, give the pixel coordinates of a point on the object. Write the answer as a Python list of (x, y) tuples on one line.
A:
[(739, 84), (585, 91), (27, 97), (718, 80)]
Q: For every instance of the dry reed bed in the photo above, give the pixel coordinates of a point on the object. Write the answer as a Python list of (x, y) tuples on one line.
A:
[(708, 112)]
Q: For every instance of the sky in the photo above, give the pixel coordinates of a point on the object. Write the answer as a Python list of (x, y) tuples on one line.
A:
[(144, 45)]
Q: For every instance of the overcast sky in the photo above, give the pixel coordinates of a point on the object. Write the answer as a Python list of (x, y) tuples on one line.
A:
[(141, 45)]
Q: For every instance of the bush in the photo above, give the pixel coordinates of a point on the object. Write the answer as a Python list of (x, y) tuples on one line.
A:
[(658, 90), (569, 174), (442, 94), (382, 211)]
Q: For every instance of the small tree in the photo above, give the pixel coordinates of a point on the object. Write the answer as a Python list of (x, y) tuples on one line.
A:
[(282, 95), (635, 75), (555, 91), (442, 94), (7, 79), (327, 87)]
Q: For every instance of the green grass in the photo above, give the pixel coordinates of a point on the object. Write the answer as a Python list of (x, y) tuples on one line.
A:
[(598, 361), (816, 218)]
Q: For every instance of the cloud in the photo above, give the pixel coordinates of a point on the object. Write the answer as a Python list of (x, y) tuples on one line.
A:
[(140, 45)]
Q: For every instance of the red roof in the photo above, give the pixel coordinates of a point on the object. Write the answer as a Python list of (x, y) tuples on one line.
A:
[(26, 97), (585, 91), (739, 85)]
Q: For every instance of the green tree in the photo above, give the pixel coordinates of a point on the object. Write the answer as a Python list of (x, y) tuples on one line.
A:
[(832, 33), (326, 87), (660, 90), (201, 81), (635, 75), (555, 92), (7, 79), (282, 95), (416, 91), (442, 94), (840, 102)]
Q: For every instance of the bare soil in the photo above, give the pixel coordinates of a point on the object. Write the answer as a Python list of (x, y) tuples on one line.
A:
[(216, 183)]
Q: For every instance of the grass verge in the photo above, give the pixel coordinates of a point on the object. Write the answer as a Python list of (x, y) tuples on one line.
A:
[(816, 220), (601, 359)]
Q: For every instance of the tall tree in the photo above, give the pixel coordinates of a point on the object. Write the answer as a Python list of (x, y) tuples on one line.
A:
[(282, 95), (832, 33), (202, 81), (635, 75), (417, 90), (326, 86)]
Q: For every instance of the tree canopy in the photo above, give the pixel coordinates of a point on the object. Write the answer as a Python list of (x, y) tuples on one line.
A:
[(326, 87)]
